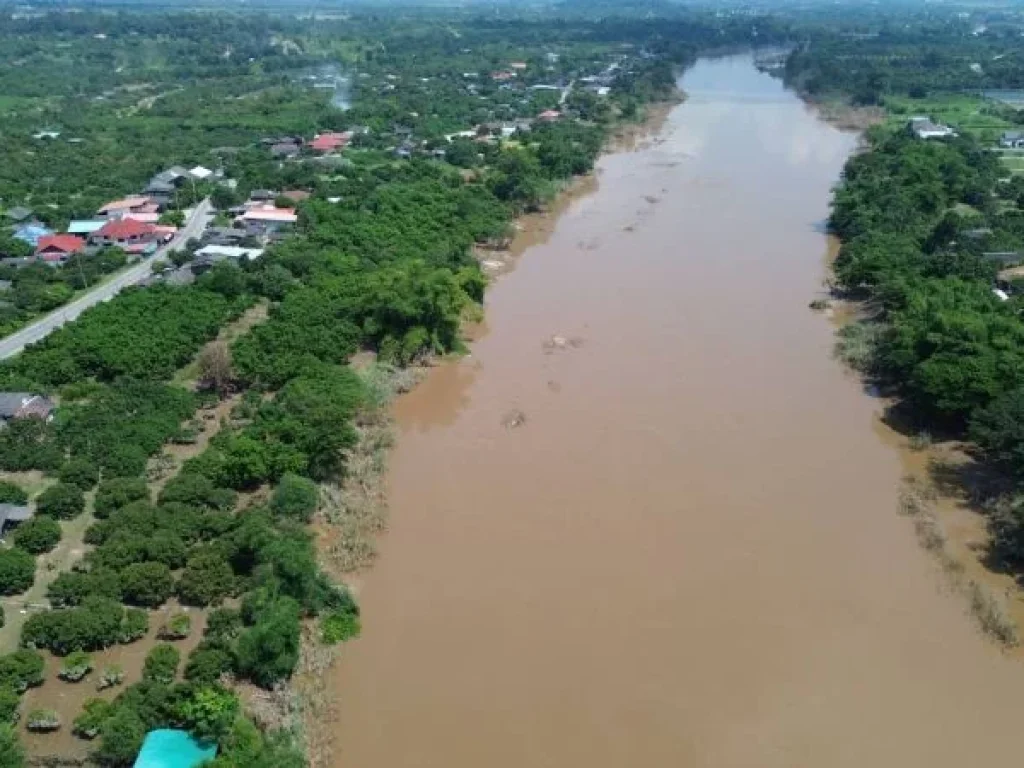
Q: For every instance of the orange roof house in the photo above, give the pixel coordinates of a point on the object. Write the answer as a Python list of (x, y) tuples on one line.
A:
[(330, 141), (56, 249)]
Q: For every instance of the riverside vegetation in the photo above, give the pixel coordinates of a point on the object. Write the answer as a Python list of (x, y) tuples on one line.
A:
[(921, 223), (387, 267)]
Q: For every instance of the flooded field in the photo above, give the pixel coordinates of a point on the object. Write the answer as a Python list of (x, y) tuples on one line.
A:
[(649, 521)]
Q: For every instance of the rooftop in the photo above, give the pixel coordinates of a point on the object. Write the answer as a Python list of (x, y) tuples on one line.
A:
[(123, 229)]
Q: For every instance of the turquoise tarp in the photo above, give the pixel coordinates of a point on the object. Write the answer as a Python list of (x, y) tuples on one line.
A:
[(173, 749)]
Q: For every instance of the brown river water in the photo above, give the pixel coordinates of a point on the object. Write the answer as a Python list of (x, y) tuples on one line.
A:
[(689, 554)]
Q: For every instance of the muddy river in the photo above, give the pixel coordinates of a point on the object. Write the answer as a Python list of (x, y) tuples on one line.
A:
[(689, 553)]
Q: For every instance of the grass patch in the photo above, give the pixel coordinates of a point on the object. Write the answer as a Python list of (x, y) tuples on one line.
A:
[(991, 614), (984, 118), (987, 609), (856, 344)]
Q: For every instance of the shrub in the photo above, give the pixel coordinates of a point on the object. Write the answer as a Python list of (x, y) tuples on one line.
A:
[(339, 626), (11, 493), (112, 674), (42, 721), (118, 492), (10, 702), (134, 626), (17, 571), (176, 628), (95, 712), (21, 670), (295, 498), (61, 501), (3, 617), (80, 472), (38, 535), (76, 666), (161, 665), (147, 584)]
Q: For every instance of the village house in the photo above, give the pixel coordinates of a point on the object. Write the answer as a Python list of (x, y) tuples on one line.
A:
[(1012, 140), (285, 150), (268, 220), (223, 236), (12, 515), (129, 234), (330, 141), (85, 226), (24, 405), (549, 115), (56, 249), (925, 128), (210, 255), (201, 173), (129, 205)]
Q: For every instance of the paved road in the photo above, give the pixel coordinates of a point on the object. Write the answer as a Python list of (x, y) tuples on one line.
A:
[(11, 345)]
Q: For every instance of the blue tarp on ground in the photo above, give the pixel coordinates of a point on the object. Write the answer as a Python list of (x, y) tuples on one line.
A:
[(173, 749)]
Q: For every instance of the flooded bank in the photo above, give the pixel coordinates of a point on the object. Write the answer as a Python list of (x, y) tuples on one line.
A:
[(687, 552)]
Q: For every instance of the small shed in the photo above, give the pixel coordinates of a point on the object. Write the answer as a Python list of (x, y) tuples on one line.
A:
[(167, 748)]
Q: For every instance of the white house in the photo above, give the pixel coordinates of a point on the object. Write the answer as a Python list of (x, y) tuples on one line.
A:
[(924, 128), (1012, 140)]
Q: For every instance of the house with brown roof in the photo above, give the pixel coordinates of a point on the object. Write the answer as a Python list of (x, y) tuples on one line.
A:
[(296, 195), (56, 249), (115, 208), (128, 233)]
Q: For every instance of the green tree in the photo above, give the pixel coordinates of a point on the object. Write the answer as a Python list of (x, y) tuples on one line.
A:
[(62, 501), (209, 712), (12, 755), (121, 737), (147, 584), (21, 670), (17, 571), (295, 498), (89, 723), (10, 703), (80, 472), (134, 626), (11, 493), (269, 650), (118, 492), (207, 579), (38, 535)]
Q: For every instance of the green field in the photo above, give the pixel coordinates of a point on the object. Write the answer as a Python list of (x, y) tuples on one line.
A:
[(980, 117)]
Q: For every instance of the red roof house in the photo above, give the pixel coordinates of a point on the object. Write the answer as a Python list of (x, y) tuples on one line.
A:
[(549, 115), (330, 142), (123, 232), (55, 249)]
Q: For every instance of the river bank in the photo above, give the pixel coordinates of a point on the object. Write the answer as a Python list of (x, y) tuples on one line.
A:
[(666, 561)]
